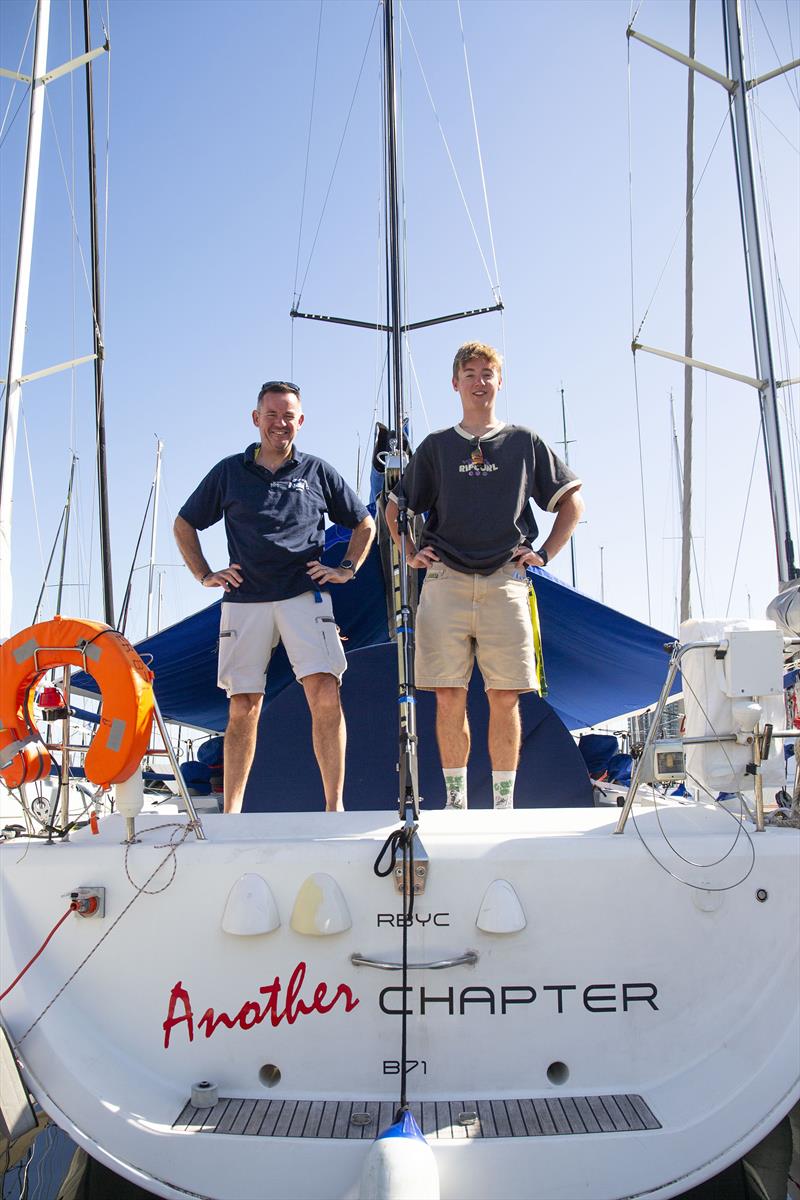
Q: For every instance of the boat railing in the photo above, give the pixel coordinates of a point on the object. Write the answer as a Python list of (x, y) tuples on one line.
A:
[(760, 740)]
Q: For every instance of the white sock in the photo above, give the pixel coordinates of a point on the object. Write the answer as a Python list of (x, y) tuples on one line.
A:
[(503, 788), (455, 784)]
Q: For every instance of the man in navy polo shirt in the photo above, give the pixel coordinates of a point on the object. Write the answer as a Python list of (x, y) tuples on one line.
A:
[(274, 501)]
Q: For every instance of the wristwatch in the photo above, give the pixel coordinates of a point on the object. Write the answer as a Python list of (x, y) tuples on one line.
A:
[(349, 565), (543, 555)]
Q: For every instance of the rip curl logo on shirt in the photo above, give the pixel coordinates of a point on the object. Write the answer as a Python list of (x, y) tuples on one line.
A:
[(473, 469)]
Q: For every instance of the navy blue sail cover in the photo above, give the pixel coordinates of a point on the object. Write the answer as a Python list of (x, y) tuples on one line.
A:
[(599, 664)]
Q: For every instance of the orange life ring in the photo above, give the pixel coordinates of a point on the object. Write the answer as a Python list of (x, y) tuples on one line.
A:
[(126, 686)]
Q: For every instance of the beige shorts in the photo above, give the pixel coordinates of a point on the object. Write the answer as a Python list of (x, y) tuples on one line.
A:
[(463, 617), (248, 633)]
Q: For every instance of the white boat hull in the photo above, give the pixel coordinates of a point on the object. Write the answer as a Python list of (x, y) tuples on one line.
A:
[(678, 1000)]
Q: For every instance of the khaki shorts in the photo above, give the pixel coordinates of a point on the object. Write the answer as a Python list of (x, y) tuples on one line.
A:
[(463, 617), (248, 633)]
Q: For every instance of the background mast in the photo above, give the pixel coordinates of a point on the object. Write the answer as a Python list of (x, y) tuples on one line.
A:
[(20, 311)]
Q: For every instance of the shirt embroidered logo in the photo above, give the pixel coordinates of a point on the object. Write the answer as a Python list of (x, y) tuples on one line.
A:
[(473, 468)]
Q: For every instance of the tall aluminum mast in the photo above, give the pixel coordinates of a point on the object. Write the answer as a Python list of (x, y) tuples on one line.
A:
[(768, 394), (99, 349), (19, 318), (408, 762), (688, 417)]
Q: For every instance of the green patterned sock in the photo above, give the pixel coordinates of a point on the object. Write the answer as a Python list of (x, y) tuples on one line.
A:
[(503, 788), (455, 784)]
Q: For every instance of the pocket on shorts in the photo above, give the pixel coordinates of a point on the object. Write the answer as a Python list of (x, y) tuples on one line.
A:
[(437, 571), (334, 650), (227, 638), (515, 573), (226, 650)]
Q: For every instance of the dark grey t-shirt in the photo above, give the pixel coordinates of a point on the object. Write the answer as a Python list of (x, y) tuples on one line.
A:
[(478, 513)]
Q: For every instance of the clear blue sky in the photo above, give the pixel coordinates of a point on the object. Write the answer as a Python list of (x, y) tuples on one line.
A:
[(209, 117)]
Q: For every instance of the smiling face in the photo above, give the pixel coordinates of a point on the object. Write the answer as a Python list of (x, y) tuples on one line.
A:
[(278, 417), (477, 383)]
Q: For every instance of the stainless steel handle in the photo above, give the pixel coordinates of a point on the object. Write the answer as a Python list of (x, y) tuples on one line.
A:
[(467, 959)]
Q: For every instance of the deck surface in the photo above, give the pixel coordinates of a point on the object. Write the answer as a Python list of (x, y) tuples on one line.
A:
[(447, 1120)]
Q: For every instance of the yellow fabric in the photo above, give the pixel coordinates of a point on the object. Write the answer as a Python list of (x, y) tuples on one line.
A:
[(541, 678)]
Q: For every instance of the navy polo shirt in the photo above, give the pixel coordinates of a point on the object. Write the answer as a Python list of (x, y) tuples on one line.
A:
[(274, 522)]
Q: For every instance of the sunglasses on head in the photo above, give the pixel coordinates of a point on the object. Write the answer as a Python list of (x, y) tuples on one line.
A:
[(278, 385)]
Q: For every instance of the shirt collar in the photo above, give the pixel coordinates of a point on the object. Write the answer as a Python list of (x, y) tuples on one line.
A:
[(484, 437), (251, 460)]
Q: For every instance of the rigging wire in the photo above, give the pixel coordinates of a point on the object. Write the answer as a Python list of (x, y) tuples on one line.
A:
[(308, 157), (106, 26), (3, 137), (15, 82), (380, 342), (311, 121), (739, 820), (450, 157), (791, 38), (419, 387), (405, 408), (679, 230), (496, 287), (635, 14), (179, 835), (755, 105), (742, 209), (24, 423), (780, 304), (338, 155), (744, 519), (70, 200), (787, 75), (693, 539), (703, 886), (635, 368)]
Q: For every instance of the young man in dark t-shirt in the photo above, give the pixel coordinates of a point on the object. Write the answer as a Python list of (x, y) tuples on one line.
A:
[(475, 481), (274, 501)]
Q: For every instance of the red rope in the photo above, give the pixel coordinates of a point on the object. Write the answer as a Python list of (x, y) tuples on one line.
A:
[(55, 928)]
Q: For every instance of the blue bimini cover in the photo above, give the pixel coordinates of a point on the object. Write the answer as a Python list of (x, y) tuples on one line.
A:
[(599, 664)]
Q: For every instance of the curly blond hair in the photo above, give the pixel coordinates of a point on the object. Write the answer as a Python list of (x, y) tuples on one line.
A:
[(472, 350)]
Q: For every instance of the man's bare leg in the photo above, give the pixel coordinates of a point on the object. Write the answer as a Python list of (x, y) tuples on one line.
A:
[(452, 726), (329, 735), (505, 729), (240, 746)]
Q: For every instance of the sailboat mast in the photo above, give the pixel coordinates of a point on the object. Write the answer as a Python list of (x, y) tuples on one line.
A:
[(688, 412), (768, 393), (407, 760), (20, 311), (393, 212), (99, 349), (67, 511)]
